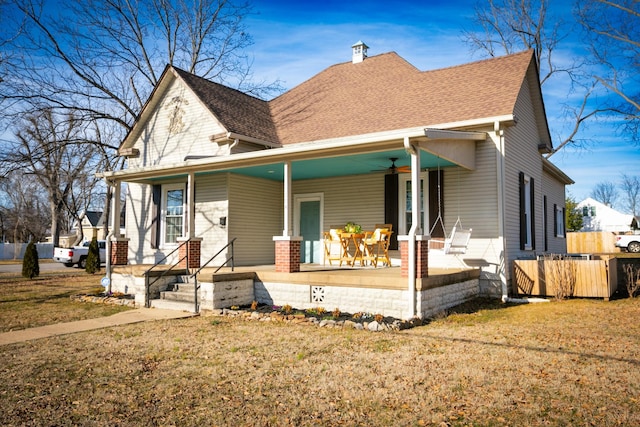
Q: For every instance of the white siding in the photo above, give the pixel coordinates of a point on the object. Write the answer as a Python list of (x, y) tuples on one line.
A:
[(472, 195), (554, 191), (158, 145), (138, 224), (211, 204), (255, 216), (521, 155), (355, 198)]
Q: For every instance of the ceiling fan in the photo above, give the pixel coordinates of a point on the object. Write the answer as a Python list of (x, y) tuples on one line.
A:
[(393, 169)]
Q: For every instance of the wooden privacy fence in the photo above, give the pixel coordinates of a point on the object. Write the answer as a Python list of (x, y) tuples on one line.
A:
[(591, 242), (593, 278)]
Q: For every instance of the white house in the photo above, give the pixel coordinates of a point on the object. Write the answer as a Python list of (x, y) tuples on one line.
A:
[(597, 216), (372, 140)]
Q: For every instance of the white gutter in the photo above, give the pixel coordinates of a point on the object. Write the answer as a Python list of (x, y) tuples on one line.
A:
[(329, 147), (415, 222)]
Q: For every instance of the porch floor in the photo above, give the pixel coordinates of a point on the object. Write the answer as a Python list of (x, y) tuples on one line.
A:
[(326, 275)]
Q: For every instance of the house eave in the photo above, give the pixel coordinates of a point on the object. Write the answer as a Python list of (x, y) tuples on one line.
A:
[(378, 141), (228, 137), (555, 171)]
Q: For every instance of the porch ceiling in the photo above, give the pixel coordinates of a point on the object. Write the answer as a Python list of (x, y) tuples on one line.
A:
[(340, 166)]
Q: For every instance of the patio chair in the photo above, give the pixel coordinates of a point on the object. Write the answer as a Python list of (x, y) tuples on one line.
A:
[(376, 246), (332, 246)]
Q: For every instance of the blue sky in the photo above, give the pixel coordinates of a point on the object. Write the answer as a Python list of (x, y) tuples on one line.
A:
[(296, 40)]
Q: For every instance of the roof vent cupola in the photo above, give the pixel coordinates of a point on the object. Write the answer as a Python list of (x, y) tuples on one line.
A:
[(359, 52)]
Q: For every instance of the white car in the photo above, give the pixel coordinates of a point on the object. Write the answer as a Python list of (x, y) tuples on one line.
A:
[(78, 254), (630, 242)]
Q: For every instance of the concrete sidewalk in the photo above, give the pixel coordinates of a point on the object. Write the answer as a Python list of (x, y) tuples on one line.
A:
[(122, 318)]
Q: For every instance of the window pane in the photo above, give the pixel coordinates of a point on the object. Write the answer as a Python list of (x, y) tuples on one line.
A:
[(174, 210), (174, 229), (408, 207), (174, 202)]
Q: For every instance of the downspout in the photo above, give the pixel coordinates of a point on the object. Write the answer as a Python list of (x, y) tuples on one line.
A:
[(234, 144), (108, 242), (501, 222), (415, 221)]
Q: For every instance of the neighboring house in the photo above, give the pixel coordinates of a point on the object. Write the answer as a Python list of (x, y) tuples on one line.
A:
[(207, 163), (92, 223), (597, 216)]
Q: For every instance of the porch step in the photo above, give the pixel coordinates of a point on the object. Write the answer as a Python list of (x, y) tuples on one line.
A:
[(180, 292), (173, 305)]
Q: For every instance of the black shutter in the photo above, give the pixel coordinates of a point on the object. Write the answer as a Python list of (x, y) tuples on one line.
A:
[(564, 222), (555, 220), (436, 206), (533, 213), (156, 193), (391, 206), (523, 215), (545, 218)]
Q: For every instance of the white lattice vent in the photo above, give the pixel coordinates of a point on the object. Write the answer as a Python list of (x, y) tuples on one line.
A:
[(317, 294)]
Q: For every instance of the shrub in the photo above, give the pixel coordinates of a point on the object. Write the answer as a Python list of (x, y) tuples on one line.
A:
[(562, 274), (93, 257), (632, 279), (30, 262)]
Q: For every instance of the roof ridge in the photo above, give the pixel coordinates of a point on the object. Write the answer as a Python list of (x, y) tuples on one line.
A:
[(188, 74), (480, 61)]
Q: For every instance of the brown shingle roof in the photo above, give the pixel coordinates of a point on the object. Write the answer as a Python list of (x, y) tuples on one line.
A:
[(386, 93), (382, 93), (238, 112)]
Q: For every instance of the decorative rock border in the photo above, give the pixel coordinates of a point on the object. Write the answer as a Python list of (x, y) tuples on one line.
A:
[(105, 299), (367, 324)]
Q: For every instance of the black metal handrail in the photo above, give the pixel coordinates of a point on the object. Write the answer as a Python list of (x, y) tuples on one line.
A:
[(194, 275), (147, 284)]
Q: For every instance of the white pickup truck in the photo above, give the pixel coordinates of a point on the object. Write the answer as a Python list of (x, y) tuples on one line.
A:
[(630, 242), (78, 254)]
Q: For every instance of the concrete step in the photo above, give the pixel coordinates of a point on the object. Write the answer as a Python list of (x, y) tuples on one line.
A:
[(179, 295), (173, 305)]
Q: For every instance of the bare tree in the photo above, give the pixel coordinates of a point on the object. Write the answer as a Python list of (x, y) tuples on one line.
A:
[(58, 152), (630, 186), (605, 192), (509, 26), (100, 59), (613, 30), (24, 213)]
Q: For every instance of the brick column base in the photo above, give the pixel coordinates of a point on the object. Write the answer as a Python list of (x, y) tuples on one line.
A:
[(422, 257), (120, 251), (189, 248), (287, 254)]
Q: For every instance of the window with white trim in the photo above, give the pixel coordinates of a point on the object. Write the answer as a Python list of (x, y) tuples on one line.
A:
[(559, 221), (527, 209), (406, 213), (172, 213)]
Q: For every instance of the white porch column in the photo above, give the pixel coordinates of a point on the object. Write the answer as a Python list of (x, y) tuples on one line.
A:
[(115, 209), (415, 224), (191, 212), (288, 200)]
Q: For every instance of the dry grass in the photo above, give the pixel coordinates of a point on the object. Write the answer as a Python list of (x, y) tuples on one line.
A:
[(46, 299), (563, 363)]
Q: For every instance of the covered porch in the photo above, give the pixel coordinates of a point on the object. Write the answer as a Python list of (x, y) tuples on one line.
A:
[(412, 214)]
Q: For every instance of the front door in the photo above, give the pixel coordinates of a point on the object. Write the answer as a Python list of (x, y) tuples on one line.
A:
[(308, 222)]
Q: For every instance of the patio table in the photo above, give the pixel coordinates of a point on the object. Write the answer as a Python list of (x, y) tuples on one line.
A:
[(352, 248)]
